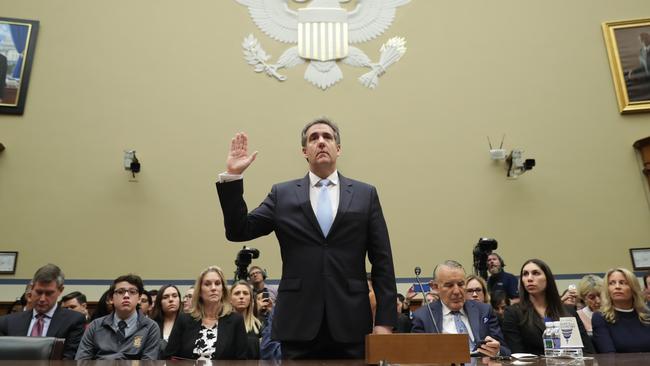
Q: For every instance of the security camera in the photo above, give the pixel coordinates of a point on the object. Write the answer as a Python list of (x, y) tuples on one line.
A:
[(517, 165)]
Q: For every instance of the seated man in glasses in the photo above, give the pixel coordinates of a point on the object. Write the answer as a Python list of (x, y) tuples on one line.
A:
[(124, 334)]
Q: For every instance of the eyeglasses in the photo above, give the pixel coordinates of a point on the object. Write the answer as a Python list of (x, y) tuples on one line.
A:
[(123, 291), (255, 273), (473, 290)]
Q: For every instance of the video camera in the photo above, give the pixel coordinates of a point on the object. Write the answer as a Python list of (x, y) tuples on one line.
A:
[(243, 260), (482, 250)]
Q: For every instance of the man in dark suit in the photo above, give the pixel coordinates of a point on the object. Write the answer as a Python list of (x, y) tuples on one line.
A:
[(46, 319), (453, 314), (325, 224)]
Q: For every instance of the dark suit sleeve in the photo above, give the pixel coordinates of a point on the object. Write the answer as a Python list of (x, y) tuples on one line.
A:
[(381, 258), (511, 331), (418, 323), (602, 337), (240, 337), (494, 331), (4, 325), (241, 225), (73, 337)]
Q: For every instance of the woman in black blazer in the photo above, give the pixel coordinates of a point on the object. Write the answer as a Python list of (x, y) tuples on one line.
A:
[(211, 330), (523, 323)]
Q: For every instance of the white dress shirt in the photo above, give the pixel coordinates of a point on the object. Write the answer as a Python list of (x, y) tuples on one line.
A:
[(46, 320), (333, 189), (448, 324)]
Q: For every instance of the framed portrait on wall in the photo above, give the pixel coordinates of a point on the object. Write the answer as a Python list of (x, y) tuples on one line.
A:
[(628, 49), (8, 262), (17, 43), (640, 258)]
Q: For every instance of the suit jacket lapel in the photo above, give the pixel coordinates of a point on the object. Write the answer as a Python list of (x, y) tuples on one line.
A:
[(474, 320), (436, 308), (302, 192), (55, 322), (345, 197), (23, 324)]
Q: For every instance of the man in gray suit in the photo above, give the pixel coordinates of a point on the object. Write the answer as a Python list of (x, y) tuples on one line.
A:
[(47, 319), (326, 224)]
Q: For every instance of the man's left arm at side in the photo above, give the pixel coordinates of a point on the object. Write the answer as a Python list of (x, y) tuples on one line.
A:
[(383, 272)]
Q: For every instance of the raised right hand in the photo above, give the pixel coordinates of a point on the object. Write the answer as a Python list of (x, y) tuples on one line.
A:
[(238, 159)]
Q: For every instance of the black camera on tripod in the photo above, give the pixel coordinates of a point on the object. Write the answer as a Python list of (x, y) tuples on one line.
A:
[(482, 250), (244, 259)]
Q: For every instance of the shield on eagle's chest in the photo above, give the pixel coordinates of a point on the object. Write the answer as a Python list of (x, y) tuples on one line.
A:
[(323, 31)]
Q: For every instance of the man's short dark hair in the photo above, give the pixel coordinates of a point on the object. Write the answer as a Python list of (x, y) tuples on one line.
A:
[(48, 273), (148, 295), (320, 120), (81, 298), (131, 278)]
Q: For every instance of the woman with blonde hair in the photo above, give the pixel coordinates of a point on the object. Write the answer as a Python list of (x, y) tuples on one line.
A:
[(623, 324), (476, 289), (589, 289), (211, 330), (241, 299)]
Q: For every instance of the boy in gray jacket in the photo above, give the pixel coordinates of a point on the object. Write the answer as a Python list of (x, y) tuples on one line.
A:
[(125, 334)]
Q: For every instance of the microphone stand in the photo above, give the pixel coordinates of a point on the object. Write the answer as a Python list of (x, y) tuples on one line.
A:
[(418, 270)]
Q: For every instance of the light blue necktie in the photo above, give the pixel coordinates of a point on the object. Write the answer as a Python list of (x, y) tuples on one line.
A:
[(324, 209), (461, 328)]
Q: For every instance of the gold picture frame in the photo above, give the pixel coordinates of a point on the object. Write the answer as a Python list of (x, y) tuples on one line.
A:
[(628, 50)]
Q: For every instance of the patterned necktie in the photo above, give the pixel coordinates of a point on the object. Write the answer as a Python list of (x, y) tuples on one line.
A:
[(324, 209), (122, 326), (461, 328), (37, 329)]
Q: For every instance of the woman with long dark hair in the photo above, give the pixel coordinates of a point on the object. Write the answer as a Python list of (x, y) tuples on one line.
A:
[(523, 323), (166, 309)]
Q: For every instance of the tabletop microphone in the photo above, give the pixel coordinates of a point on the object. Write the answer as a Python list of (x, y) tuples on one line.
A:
[(418, 270)]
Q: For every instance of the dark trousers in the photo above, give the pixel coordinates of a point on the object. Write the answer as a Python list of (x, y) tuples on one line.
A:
[(322, 347)]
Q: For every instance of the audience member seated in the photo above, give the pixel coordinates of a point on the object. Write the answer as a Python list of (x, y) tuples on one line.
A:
[(104, 305), (187, 299), (154, 294), (125, 334), (476, 289), (146, 302), (166, 310), (264, 307), (523, 323), (623, 323), (403, 320), (569, 297), (76, 301), (241, 298), (269, 349), (46, 319), (453, 314), (589, 289), (499, 302), (257, 276), (501, 280), (211, 330)]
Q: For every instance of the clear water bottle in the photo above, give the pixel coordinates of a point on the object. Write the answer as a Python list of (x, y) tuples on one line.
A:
[(551, 340)]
